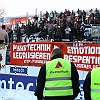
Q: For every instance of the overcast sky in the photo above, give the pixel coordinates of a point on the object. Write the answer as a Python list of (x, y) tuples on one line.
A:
[(21, 7)]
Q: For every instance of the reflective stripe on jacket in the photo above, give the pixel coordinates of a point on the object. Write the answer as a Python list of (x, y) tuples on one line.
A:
[(58, 78), (95, 84)]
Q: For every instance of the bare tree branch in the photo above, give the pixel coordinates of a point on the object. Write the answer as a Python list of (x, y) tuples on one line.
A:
[(1, 11)]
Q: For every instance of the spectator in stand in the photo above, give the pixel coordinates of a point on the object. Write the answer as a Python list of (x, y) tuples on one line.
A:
[(3, 35), (68, 15), (83, 16), (73, 32), (97, 17), (58, 34), (10, 32), (82, 29), (50, 28), (46, 15), (67, 32), (72, 19), (19, 35), (91, 18), (51, 15)]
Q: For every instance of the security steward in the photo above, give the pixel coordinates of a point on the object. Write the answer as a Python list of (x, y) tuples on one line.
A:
[(58, 79), (91, 85)]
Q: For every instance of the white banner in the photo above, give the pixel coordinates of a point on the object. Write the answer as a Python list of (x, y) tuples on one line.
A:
[(3, 50)]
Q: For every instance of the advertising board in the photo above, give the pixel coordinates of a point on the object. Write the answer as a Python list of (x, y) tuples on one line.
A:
[(26, 59), (18, 77), (25, 78)]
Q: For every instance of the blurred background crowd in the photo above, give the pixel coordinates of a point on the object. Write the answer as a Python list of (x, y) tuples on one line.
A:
[(64, 26), (57, 26)]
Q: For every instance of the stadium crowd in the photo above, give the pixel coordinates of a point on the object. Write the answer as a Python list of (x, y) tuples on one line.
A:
[(64, 25)]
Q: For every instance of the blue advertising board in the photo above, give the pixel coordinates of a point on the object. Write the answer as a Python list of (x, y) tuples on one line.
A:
[(18, 70), (27, 83), (17, 82)]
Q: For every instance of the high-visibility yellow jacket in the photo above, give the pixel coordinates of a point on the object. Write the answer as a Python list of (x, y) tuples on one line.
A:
[(58, 78), (95, 84)]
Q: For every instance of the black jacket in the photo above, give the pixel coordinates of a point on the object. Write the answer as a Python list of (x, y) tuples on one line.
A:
[(86, 87), (41, 83)]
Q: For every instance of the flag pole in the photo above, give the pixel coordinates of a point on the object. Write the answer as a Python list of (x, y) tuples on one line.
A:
[(26, 18)]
